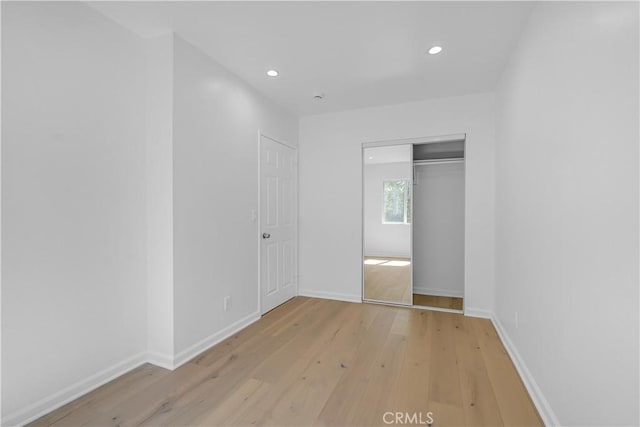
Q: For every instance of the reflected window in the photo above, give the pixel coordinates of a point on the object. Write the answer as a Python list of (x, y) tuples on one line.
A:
[(396, 198)]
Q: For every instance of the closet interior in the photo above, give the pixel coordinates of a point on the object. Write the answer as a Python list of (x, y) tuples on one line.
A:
[(413, 222)]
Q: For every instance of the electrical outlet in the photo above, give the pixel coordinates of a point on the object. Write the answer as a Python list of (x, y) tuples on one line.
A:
[(516, 319), (227, 303)]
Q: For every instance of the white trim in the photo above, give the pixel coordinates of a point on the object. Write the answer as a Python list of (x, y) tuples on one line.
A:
[(417, 141), (417, 307), (431, 308), (411, 229), (478, 312), (286, 144), (189, 353), (389, 303), (162, 360), (259, 221), (74, 391), (329, 295), (549, 418), (438, 292), (437, 161), (80, 388), (362, 185), (544, 408)]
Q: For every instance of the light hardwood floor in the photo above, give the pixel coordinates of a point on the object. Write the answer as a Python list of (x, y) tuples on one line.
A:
[(322, 362)]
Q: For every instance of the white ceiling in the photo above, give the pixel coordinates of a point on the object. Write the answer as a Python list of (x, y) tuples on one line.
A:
[(359, 54)]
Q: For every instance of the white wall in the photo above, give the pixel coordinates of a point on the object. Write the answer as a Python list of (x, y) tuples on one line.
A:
[(122, 159), (438, 229), (216, 122), (567, 209), (159, 180), (73, 200), (382, 239), (331, 189), (1, 8)]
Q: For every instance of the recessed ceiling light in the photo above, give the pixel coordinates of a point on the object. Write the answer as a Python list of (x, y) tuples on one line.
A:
[(272, 73), (435, 50), (370, 157)]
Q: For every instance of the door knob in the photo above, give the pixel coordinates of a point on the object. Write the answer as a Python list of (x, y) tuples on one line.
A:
[(266, 235)]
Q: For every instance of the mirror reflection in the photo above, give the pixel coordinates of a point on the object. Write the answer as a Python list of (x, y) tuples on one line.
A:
[(387, 211)]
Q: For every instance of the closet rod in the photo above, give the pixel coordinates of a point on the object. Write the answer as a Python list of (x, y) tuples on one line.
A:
[(437, 161)]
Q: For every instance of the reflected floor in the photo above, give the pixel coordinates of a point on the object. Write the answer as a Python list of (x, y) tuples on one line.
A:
[(388, 279), (437, 301)]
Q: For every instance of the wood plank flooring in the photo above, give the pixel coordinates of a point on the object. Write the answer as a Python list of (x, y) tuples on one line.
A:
[(322, 362), (436, 301)]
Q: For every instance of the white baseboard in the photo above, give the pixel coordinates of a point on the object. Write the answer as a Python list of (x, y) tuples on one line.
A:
[(191, 352), (72, 392), (478, 312), (66, 395), (162, 360), (444, 310), (548, 416), (438, 292), (329, 295)]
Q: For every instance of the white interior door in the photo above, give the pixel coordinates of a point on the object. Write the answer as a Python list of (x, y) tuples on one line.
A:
[(278, 217)]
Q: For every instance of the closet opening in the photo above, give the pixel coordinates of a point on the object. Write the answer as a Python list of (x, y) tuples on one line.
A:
[(413, 222), (438, 229)]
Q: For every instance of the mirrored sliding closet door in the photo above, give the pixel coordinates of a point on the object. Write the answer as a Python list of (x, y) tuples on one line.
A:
[(387, 207)]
